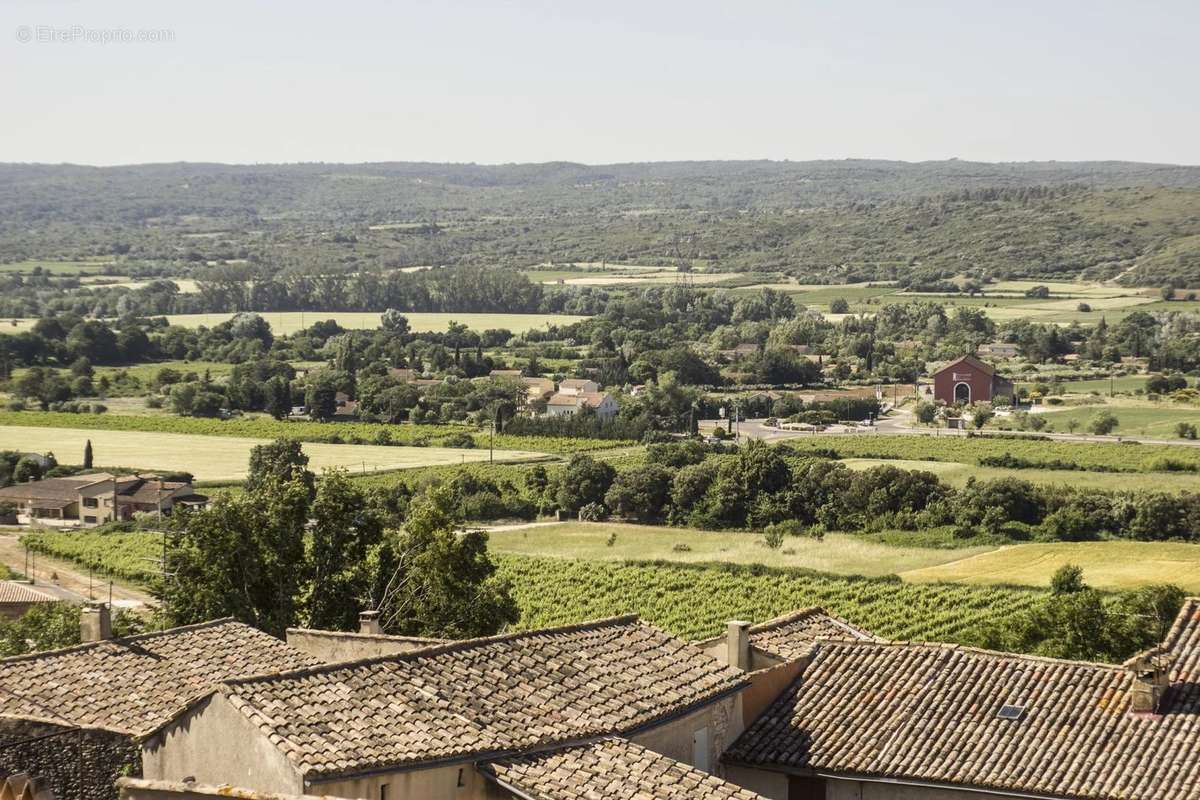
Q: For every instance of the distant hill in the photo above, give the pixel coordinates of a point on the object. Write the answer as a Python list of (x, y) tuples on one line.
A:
[(821, 220)]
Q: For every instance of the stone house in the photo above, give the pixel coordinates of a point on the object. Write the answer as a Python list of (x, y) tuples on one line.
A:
[(565, 405), (471, 719), (867, 719), (576, 386), (100, 698), (90, 500)]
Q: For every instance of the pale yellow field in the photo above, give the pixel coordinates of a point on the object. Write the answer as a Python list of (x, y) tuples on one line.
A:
[(224, 457), (283, 322), (1106, 565), (16, 325)]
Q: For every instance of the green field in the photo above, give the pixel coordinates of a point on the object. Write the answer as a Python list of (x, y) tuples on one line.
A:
[(1128, 457), (836, 553), (1002, 301), (695, 601), (1106, 565), (1123, 384), (220, 458), (58, 267), (692, 601), (264, 427), (957, 474), (1145, 419), (285, 322)]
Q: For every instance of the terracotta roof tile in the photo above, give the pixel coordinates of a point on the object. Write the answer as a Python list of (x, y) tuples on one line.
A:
[(136, 684), (16, 592), (485, 696), (928, 712), (612, 768), (793, 635)]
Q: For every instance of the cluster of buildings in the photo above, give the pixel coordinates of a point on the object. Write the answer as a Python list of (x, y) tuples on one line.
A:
[(96, 498), (803, 707)]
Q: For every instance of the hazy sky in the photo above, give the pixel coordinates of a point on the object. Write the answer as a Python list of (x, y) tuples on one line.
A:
[(598, 82)]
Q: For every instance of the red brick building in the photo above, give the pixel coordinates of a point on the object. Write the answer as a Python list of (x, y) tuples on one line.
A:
[(969, 380)]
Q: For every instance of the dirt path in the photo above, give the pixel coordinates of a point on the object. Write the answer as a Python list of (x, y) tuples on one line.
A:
[(68, 576)]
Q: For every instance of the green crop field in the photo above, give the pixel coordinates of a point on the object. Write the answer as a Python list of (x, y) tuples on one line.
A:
[(1130, 456), (1143, 419), (58, 267), (695, 601), (1106, 565), (218, 458), (264, 427), (1122, 384), (836, 553), (692, 601), (957, 474), (284, 322)]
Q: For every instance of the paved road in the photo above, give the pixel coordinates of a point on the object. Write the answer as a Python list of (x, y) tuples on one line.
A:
[(69, 578)]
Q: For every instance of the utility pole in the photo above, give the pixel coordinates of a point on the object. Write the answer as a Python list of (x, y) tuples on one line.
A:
[(492, 441)]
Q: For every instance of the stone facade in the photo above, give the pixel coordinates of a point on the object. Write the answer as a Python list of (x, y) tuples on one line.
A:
[(74, 763)]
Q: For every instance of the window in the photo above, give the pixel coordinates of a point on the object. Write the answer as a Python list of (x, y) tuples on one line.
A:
[(383, 792), (700, 749), (90, 520), (90, 502)]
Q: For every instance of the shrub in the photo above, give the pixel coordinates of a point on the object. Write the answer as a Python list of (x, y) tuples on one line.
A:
[(593, 512), (460, 439), (1185, 430)]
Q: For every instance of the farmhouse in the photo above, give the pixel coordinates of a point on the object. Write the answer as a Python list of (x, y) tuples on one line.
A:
[(968, 380), (90, 500), (603, 403)]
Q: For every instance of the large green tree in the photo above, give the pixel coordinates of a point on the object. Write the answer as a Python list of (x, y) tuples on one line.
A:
[(434, 581)]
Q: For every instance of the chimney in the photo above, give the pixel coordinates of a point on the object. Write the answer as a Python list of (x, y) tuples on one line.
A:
[(95, 623), (737, 638), (368, 622), (1151, 677)]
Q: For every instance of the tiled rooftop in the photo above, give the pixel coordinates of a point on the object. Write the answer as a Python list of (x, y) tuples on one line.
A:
[(483, 697), (136, 684), (929, 713), (613, 769)]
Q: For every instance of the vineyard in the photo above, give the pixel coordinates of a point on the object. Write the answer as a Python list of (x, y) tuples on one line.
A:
[(304, 431), (692, 601), (697, 601), (126, 556), (1125, 457)]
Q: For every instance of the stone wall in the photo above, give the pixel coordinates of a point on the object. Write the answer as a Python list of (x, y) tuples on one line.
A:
[(70, 762), (334, 646)]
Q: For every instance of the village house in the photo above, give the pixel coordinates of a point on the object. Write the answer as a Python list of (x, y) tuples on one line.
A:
[(577, 386), (90, 500), (74, 717), (471, 719), (17, 597), (603, 403), (867, 719), (968, 380), (999, 350)]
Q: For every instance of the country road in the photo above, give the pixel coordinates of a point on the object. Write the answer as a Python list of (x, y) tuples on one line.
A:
[(69, 577)]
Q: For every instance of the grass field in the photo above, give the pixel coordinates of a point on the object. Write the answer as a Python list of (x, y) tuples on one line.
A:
[(957, 474), (837, 553), (217, 458), (284, 322), (1124, 384), (58, 267), (1156, 420), (1106, 565), (1002, 301)]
